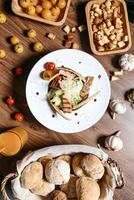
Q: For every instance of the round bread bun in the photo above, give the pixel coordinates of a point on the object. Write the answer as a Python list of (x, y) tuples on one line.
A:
[(44, 160), (31, 175), (76, 165), (57, 171), (87, 189), (66, 158), (43, 188), (58, 195), (92, 166), (70, 187)]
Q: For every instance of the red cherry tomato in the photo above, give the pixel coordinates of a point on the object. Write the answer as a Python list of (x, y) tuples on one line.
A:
[(18, 71), (50, 66), (19, 117), (10, 101)]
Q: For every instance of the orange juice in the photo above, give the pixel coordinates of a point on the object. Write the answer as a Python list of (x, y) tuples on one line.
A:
[(12, 141), (2, 147), (22, 134)]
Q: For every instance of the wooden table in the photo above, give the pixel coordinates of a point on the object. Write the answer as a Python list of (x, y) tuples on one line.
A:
[(40, 136)]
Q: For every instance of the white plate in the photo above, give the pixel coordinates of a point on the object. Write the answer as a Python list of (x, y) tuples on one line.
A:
[(89, 114)]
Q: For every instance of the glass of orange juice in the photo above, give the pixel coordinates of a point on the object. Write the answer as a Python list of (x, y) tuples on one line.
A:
[(12, 141)]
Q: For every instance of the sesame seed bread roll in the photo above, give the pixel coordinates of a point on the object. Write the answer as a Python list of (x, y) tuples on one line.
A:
[(31, 175), (57, 171), (58, 195), (76, 165), (92, 166), (43, 188), (87, 189), (70, 187)]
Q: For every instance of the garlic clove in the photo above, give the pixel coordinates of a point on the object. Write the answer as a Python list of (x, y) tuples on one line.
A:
[(107, 143), (114, 142), (112, 114), (117, 106), (130, 95), (126, 62), (117, 133)]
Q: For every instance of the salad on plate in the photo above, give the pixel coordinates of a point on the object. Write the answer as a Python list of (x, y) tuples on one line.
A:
[(67, 89)]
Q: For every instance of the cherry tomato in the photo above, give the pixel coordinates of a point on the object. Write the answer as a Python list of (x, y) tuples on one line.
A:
[(50, 66), (19, 117), (18, 71), (47, 74), (10, 101)]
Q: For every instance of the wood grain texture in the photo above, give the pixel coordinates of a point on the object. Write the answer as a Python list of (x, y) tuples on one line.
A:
[(40, 136)]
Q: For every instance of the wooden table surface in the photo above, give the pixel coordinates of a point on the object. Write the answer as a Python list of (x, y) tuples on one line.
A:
[(40, 136)]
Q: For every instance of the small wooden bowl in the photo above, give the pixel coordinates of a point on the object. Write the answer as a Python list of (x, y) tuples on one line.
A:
[(55, 21), (90, 31)]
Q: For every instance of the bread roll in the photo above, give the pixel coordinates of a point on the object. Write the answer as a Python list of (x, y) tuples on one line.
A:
[(66, 158), (43, 188), (92, 166), (76, 165), (57, 171), (58, 195), (87, 189), (70, 187), (31, 175), (44, 160)]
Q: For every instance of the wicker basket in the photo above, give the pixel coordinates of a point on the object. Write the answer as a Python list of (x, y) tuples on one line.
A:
[(113, 177)]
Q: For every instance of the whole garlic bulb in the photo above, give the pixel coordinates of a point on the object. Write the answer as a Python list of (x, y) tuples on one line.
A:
[(126, 62), (117, 106), (114, 142)]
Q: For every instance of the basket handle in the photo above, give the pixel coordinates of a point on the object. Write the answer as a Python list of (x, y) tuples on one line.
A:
[(117, 172), (3, 185)]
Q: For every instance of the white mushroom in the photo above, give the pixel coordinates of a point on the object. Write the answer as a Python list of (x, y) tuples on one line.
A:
[(126, 62), (116, 107), (114, 142)]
